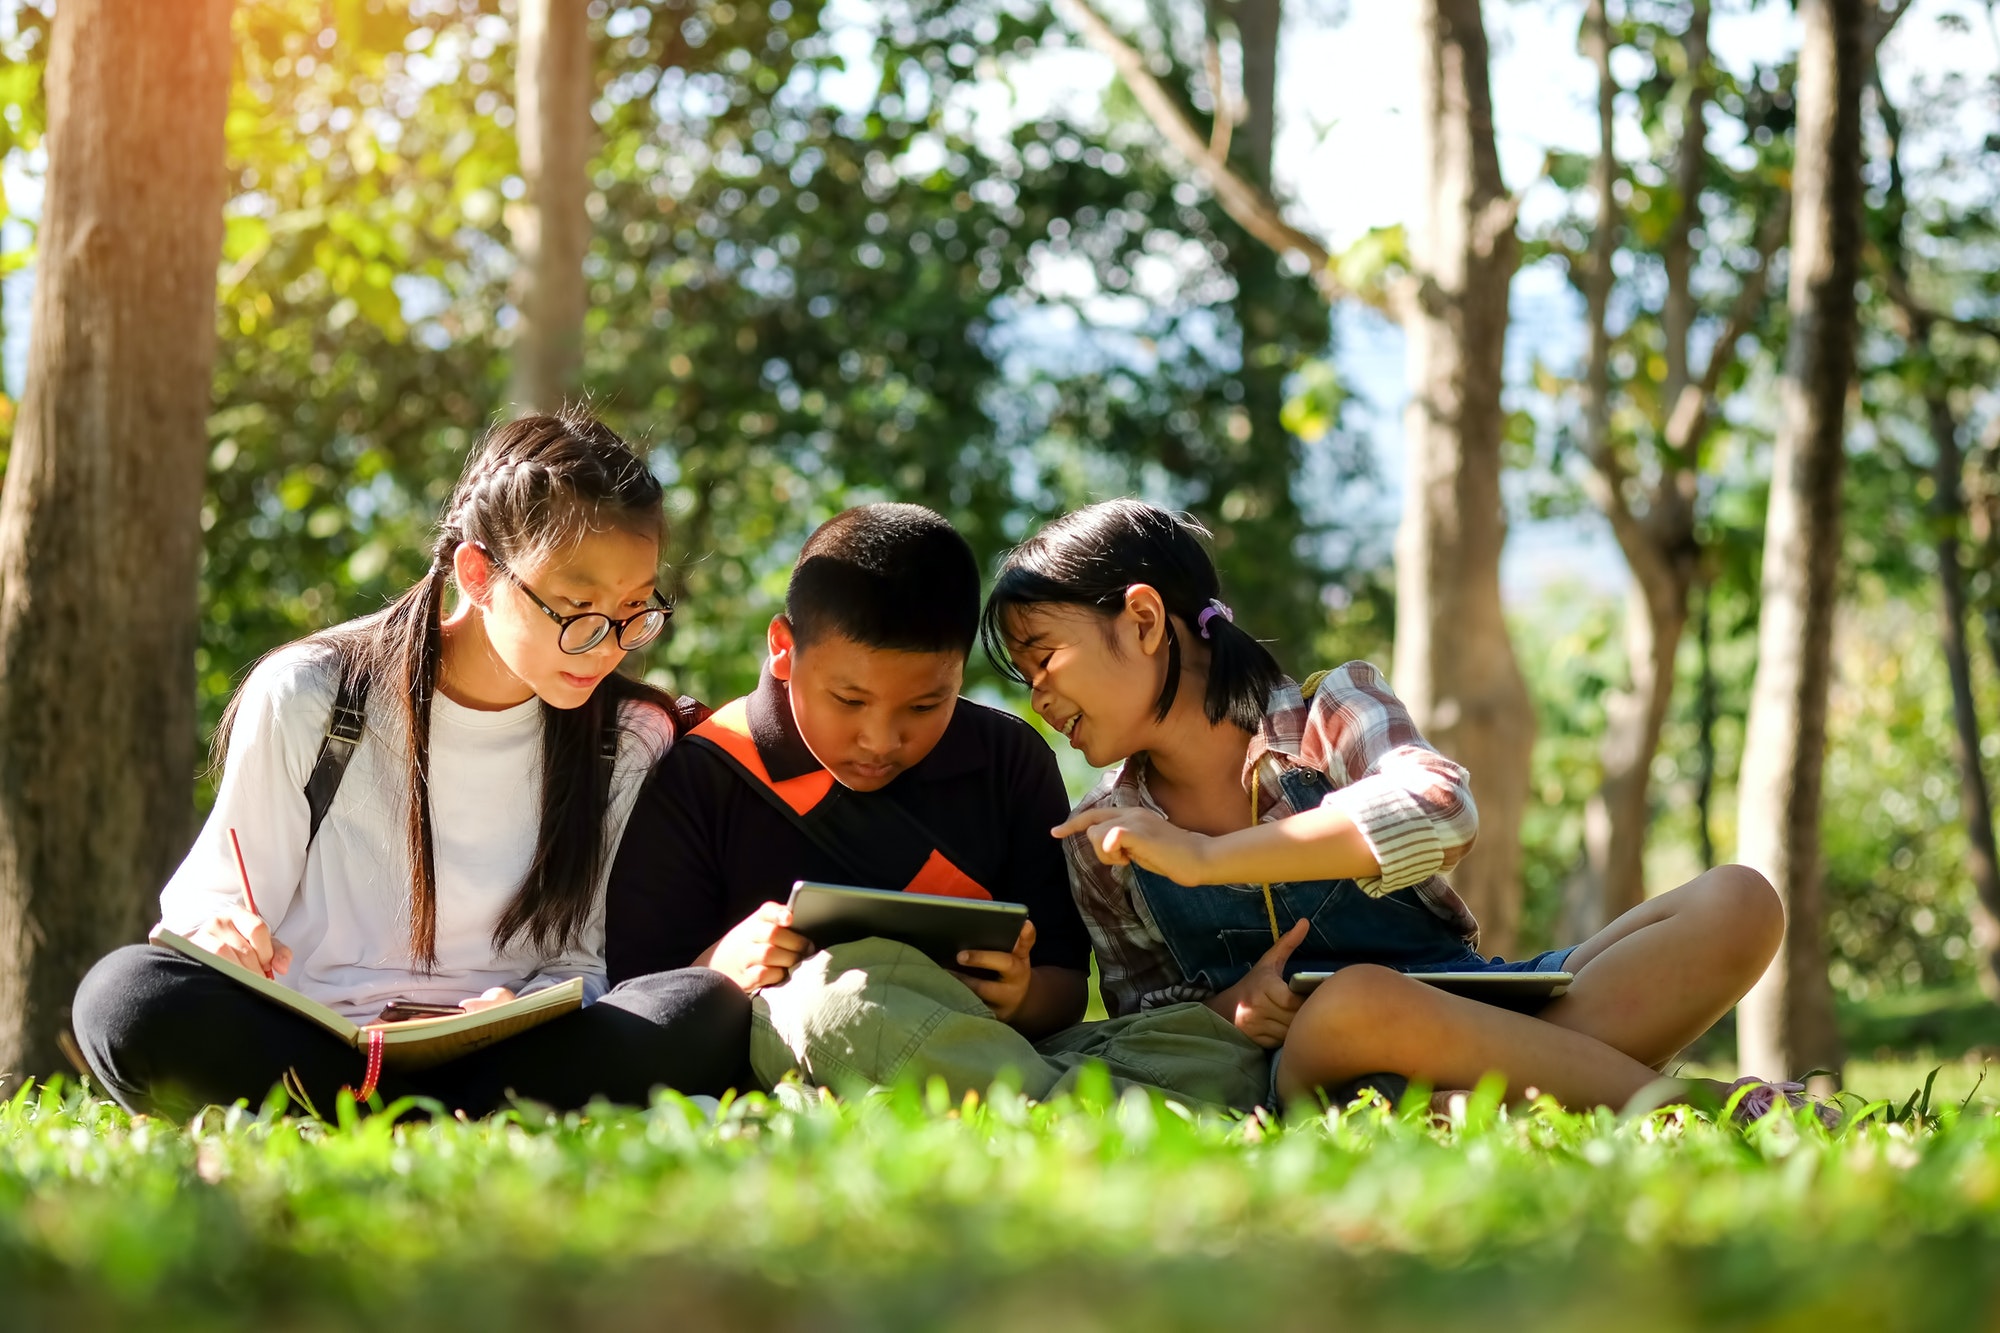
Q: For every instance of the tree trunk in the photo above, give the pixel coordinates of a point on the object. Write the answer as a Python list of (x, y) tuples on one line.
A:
[(1258, 529), (1616, 817), (1706, 714), (1659, 546), (1786, 1023), (1981, 858), (100, 533), (1455, 665), (551, 228), (1677, 310)]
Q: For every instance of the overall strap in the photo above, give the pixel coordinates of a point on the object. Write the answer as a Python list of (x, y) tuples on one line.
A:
[(343, 733), (874, 840), (1306, 692)]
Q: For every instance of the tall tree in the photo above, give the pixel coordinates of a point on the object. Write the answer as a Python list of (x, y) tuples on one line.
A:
[(100, 538), (550, 226), (1455, 664), (1645, 476), (1922, 331), (1786, 1023)]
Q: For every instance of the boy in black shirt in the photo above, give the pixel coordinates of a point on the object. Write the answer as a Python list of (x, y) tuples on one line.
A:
[(855, 761)]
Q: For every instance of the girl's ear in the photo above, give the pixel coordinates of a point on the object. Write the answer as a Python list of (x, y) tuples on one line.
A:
[(784, 647), (1146, 614), (474, 573)]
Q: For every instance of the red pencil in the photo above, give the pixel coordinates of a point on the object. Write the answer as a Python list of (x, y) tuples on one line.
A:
[(243, 871)]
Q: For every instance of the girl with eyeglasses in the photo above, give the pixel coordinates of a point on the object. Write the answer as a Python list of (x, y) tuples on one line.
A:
[(462, 857)]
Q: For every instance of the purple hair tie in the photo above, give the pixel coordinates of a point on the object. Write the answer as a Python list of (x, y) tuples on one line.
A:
[(1215, 608)]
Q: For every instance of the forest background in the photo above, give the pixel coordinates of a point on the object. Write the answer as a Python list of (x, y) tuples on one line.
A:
[(1004, 259)]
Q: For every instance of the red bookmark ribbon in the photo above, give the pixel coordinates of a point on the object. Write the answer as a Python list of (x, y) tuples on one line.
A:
[(374, 1066)]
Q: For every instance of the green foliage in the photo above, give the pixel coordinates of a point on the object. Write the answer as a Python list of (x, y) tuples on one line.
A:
[(367, 182), (1748, 171), (902, 1211), (1945, 1023), (1570, 655), (1898, 895), (23, 118), (801, 296)]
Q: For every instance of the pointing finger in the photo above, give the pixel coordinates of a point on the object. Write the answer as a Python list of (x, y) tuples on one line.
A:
[(1084, 819)]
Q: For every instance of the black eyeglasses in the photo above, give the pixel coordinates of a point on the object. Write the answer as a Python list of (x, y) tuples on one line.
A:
[(581, 633)]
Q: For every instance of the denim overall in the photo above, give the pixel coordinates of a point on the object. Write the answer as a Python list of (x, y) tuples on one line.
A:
[(1217, 932)]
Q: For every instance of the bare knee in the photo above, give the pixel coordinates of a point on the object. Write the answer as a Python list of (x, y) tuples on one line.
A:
[(1354, 1024), (1744, 912), (1364, 1001)]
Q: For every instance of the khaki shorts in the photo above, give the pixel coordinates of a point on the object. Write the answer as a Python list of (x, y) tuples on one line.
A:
[(875, 1012)]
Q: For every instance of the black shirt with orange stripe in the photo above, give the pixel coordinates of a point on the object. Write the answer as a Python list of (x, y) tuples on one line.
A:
[(704, 848)]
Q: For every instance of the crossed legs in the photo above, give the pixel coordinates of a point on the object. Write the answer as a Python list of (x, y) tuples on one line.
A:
[(1646, 985)]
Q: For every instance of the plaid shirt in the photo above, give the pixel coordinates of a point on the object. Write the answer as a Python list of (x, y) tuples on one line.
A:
[(1412, 805)]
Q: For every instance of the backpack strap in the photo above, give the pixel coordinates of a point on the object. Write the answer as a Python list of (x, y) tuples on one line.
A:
[(349, 719), (874, 840), (687, 714), (344, 727)]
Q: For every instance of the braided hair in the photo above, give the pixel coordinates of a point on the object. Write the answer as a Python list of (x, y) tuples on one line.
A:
[(534, 487)]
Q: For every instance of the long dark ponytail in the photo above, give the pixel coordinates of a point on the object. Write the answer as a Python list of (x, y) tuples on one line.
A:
[(1092, 556), (535, 486)]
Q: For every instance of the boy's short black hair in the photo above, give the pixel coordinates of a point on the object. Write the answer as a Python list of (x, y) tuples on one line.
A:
[(893, 576)]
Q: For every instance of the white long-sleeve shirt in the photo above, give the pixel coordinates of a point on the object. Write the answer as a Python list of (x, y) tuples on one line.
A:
[(342, 903)]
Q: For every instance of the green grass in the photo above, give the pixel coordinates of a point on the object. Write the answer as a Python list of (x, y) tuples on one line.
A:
[(1894, 1042), (899, 1212), (903, 1212)]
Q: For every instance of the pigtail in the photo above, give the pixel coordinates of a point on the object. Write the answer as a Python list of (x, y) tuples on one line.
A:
[(1241, 673), (411, 643)]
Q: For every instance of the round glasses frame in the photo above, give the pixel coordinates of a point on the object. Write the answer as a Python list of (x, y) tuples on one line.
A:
[(580, 633)]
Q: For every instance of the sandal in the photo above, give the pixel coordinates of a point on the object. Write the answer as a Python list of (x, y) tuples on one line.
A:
[(1760, 1097)]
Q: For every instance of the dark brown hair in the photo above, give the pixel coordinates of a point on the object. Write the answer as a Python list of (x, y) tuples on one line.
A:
[(535, 487), (893, 576), (1091, 556)]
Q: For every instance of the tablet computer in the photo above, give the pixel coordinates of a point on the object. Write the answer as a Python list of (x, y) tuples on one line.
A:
[(829, 914), (1492, 987)]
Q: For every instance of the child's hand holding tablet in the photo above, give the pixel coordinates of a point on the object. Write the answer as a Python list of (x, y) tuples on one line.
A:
[(956, 933), (760, 950), (1011, 970)]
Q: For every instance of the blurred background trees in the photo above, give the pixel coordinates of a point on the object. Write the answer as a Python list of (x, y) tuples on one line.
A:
[(809, 254)]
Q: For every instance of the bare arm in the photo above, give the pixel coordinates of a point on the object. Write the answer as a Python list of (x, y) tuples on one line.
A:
[(1323, 843)]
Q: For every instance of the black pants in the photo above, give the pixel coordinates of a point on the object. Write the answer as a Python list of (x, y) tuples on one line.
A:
[(167, 1035)]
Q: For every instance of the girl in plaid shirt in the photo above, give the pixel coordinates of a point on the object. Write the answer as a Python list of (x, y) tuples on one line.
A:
[(1240, 808)]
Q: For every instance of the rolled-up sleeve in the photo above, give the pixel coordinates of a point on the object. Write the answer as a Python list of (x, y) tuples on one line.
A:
[(1412, 805)]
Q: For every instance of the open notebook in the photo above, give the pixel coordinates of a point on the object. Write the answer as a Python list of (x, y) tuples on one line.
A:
[(415, 1044)]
